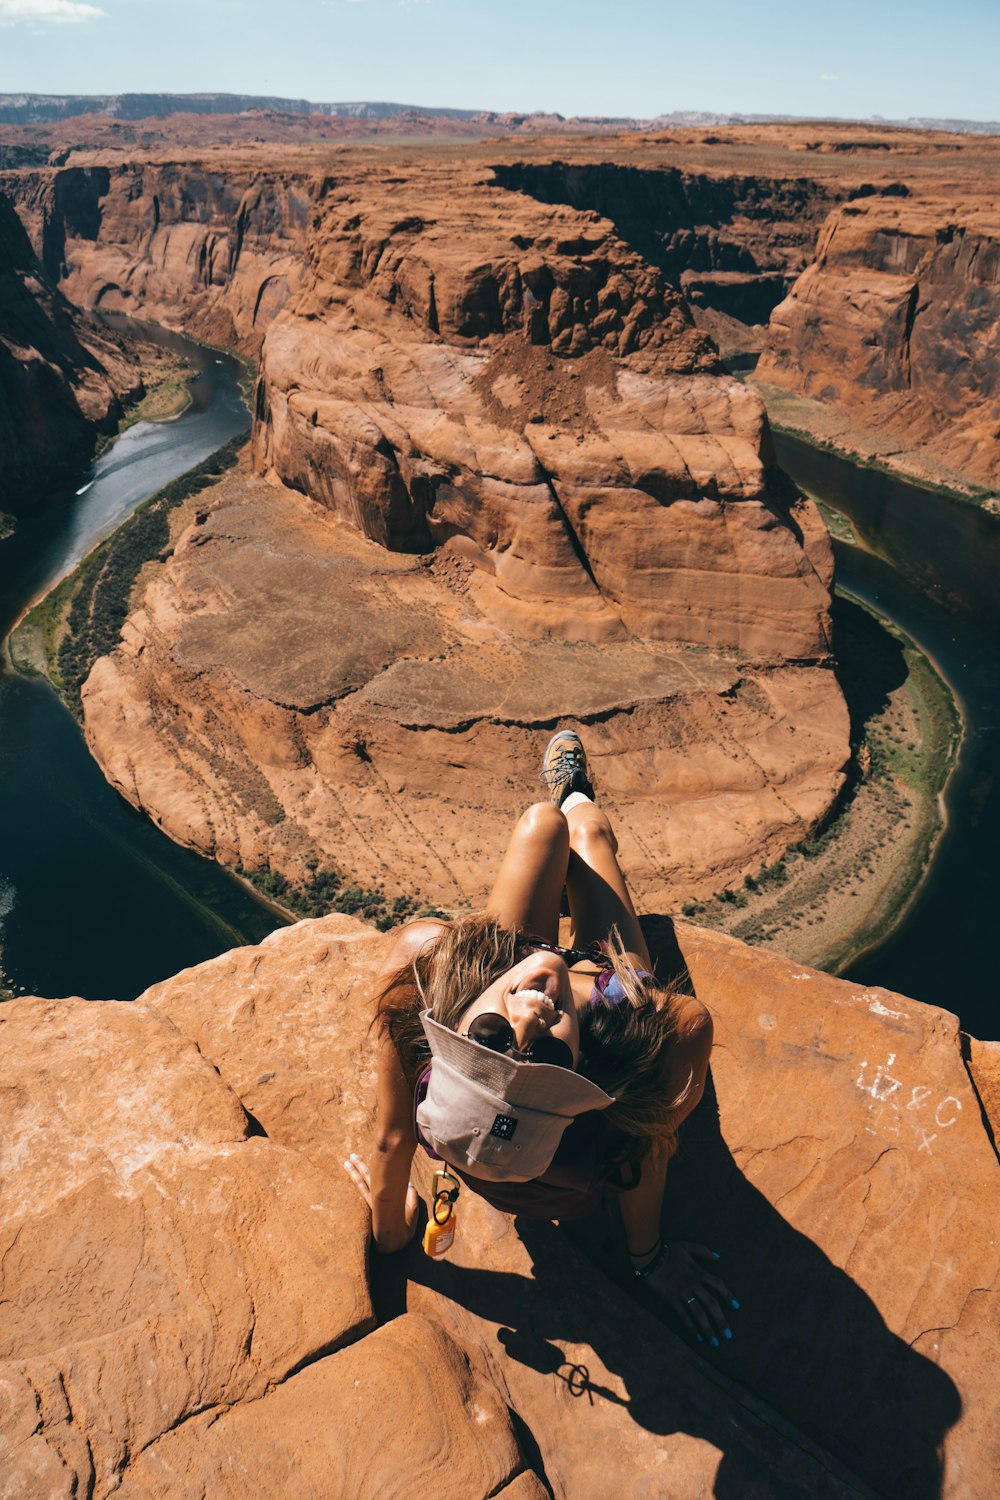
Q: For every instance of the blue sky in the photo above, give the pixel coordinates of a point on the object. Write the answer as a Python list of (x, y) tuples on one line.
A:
[(615, 57)]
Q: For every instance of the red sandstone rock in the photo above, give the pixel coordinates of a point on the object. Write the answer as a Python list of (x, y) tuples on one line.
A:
[(846, 1178), (403, 1413), (59, 379), (849, 1125), (984, 1069), (506, 384), (162, 1260), (212, 254)]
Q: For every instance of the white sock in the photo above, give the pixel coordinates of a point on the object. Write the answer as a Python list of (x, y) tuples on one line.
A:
[(574, 799)]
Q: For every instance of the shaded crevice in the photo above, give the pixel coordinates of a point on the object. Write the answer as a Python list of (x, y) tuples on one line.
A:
[(528, 1444), (911, 314), (966, 1051), (579, 551)]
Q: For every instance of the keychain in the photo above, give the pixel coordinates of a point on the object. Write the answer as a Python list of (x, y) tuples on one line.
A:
[(439, 1235)]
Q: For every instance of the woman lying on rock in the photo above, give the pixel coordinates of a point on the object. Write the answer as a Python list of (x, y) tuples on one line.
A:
[(545, 1077)]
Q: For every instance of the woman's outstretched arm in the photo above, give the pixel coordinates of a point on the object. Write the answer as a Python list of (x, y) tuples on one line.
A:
[(386, 1186), (685, 1276)]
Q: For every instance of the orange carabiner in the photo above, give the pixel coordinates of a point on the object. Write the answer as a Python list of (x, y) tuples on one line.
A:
[(439, 1236)]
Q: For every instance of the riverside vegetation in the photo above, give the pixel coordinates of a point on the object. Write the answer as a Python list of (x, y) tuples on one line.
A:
[(831, 897), (81, 618)]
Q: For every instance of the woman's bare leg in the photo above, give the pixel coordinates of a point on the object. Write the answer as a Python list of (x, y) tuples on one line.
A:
[(528, 889), (598, 895)]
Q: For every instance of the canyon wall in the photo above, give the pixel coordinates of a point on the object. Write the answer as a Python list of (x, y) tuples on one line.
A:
[(732, 243), (209, 248), (895, 325), (881, 327), (61, 379), (860, 263), (189, 1308)]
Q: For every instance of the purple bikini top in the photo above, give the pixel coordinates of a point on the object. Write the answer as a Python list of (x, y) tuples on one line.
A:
[(608, 988)]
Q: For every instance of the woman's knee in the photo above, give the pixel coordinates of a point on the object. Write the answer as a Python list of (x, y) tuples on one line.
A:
[(543, 822), (589, 824)]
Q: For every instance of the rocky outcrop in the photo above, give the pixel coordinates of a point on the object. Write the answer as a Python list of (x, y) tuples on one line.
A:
[(894, 325), (189, 1308), (516, 377), (60, 379), (733, 243)]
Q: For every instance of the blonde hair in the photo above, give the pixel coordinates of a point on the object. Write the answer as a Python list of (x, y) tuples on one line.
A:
[(626, 1045)]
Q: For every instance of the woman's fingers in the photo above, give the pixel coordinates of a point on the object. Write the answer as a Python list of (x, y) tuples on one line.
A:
[(708, 1319), (715, 1316), (718, 1286), (698, 1323), (357, 1170)]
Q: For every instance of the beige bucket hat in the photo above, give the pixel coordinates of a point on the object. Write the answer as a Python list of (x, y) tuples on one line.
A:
[(492, 1116)]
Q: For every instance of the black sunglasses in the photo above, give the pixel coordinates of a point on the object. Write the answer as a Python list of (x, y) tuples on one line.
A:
[(495, 1032)]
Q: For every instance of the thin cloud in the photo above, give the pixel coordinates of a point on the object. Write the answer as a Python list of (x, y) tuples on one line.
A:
[(51, 12), (828, 77)]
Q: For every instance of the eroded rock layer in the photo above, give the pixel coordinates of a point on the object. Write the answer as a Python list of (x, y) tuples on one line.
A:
[(208, 248), (210, 237), (188, 1304)]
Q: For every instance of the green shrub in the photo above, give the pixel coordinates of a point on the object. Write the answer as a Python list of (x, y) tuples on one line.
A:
[(325, 892)]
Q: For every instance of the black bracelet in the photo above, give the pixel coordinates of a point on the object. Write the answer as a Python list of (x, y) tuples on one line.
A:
[(655, 1263)]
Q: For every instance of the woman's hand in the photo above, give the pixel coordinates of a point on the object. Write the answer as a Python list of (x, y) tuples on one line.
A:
[(687, 1282), (387, 1242)]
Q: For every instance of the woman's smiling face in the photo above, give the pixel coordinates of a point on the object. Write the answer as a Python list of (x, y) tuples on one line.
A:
[(535, 998)]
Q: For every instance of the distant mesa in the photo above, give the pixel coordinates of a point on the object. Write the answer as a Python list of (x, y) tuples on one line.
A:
[(39, 109)]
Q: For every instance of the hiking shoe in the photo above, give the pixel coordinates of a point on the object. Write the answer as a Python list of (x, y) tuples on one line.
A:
[(564, 767)]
